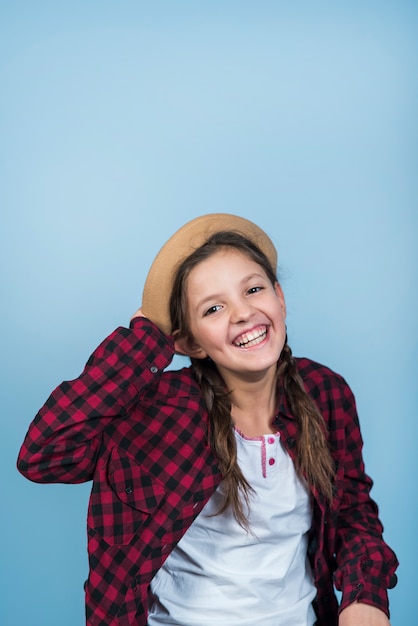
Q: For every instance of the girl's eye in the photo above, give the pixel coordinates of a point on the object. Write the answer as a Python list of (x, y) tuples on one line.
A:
[(212, 309)]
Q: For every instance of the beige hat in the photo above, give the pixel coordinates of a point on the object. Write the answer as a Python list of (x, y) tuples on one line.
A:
[(159, 282)]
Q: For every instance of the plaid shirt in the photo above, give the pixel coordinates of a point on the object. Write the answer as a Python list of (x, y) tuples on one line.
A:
[(140, 434)]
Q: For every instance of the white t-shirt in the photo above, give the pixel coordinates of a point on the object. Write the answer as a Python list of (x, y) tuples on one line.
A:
[(219, 574)]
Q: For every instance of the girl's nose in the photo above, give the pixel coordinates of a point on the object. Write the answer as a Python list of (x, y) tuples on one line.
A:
[(241, 311)]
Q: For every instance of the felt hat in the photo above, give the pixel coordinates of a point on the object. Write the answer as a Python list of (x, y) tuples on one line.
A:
[(159, 282)]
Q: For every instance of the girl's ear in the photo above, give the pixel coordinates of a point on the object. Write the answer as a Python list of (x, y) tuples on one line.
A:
[(186, 346), (280, 295)]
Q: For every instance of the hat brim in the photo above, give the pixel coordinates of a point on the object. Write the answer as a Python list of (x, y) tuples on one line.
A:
[(159, 282)]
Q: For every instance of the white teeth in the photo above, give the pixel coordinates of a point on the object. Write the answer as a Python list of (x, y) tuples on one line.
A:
[(251, 339)]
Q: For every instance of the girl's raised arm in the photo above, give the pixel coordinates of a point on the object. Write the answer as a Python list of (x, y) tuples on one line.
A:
[(63, 440)]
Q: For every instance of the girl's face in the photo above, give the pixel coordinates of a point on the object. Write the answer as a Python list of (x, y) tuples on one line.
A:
[(236, 316)]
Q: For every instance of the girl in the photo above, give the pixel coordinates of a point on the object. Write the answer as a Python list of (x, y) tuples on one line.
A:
[(232, 491)]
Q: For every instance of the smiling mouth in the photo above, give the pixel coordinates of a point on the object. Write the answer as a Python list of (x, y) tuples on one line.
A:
[(247, 340)]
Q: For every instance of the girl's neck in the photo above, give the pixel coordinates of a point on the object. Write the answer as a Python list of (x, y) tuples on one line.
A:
[(253, 408)]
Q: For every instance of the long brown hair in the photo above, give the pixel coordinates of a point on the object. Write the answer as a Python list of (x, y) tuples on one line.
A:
[(313, 459)]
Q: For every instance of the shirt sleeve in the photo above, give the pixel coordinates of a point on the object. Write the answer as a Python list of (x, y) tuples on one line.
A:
[(365, 563), (63, 440)]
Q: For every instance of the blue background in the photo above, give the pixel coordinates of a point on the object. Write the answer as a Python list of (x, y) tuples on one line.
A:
[(122, 120)]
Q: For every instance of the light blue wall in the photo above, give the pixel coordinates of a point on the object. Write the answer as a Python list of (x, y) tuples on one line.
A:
[(122, 120)]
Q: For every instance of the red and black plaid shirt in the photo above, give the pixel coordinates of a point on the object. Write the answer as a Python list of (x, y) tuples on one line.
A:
[(140, 434)]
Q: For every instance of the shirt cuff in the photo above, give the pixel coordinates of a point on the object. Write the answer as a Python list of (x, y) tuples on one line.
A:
[(368, 582)]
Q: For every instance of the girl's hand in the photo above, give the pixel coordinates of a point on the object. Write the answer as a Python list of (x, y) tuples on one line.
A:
[(359, 614)]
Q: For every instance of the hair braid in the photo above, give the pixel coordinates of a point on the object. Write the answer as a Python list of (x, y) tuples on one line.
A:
[(222, 439), (313, 458)]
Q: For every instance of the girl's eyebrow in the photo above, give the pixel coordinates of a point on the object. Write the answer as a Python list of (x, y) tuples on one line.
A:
[(253, 275)]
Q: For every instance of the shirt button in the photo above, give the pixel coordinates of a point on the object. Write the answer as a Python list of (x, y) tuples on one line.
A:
[(271, 439), (393, 581), (153, 369), (272, 461)]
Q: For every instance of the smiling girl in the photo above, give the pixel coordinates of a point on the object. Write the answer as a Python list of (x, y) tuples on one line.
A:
[(231, 491)]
